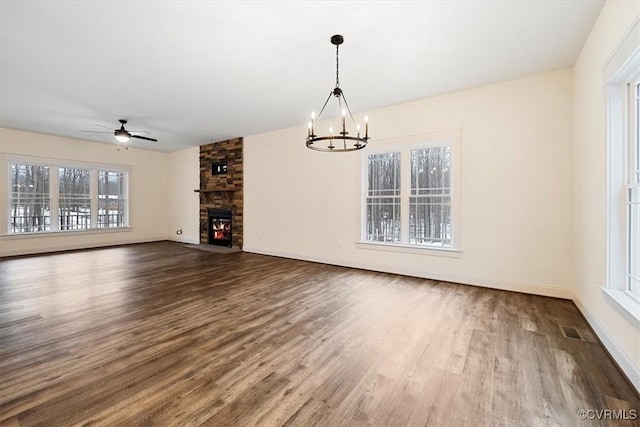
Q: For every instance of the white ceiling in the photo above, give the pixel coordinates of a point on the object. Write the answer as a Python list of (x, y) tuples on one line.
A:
[(190, 72)]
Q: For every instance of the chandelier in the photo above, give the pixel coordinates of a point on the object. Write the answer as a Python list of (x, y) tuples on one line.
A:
[(341, 141)]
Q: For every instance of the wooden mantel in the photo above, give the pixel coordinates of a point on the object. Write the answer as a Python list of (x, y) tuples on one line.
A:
[(214, 190)]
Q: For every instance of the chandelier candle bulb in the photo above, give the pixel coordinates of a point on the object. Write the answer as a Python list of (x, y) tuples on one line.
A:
[(366, 127)]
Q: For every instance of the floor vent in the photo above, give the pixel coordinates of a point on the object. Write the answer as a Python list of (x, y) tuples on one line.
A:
[(571, 333)]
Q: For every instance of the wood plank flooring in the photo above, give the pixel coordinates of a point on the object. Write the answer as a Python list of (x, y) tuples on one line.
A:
[(160, 334)]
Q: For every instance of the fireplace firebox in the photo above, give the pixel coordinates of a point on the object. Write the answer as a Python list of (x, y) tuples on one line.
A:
[(220, 230)]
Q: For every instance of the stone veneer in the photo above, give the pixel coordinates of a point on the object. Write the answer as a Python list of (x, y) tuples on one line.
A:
[(214, 188)]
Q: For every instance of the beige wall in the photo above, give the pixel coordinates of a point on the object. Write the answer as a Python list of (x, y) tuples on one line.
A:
[(517, 189), (184, 203), (148, 191), (620, 334)]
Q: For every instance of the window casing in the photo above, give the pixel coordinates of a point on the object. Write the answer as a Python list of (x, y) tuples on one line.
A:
[(633, 192), (411, 193), (47, 197), (621, 76)]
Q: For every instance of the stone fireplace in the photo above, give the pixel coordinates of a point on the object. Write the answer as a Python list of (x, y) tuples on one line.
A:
[(221, 198)]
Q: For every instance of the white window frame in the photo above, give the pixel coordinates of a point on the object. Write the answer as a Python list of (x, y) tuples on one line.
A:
[(54, 167), (366, 196), (10, 194), (94, 180), (57, 201), (620, 71), (404, 145), (633, 186), (406, 235)]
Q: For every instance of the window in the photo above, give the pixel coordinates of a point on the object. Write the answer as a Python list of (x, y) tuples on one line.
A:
[(30, 199), (74, 203), (430, 201), (84, 198), (621, 76), (111, 199), (383, 198), (409, 198)]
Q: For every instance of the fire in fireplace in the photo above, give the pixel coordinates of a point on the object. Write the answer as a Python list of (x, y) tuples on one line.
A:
[(220, 227)]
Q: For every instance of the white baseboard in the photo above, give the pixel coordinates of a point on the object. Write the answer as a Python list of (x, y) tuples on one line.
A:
[(73, 247), (185, 240), (617, 353), (485, 282)]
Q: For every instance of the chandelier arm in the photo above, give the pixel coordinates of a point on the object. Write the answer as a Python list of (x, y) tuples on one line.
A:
[(325, 104)]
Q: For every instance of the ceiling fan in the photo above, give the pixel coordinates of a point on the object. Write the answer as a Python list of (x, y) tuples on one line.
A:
[(122, 135)]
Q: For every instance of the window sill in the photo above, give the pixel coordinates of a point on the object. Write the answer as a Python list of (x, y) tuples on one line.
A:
[(392, 247), (64, 233), (623, 300)]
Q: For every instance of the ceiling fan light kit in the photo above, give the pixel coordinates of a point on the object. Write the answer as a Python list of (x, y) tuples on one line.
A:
[(121, 134), (343, 141)]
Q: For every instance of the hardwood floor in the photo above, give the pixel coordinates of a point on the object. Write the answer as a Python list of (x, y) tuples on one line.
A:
[(160, 334)]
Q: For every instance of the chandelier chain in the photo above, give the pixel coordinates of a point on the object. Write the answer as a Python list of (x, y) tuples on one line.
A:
[(337, 67)]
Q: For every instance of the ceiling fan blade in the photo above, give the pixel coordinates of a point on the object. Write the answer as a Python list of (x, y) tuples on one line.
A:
[(95, 131), (104, 127), (139, 131), (144, 137)]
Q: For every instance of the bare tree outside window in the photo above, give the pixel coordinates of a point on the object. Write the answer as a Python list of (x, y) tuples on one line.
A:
[(430, 200), (46, 197), (74, 208), (30, 200), (383, 198), (111, 199), (411, 196)]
